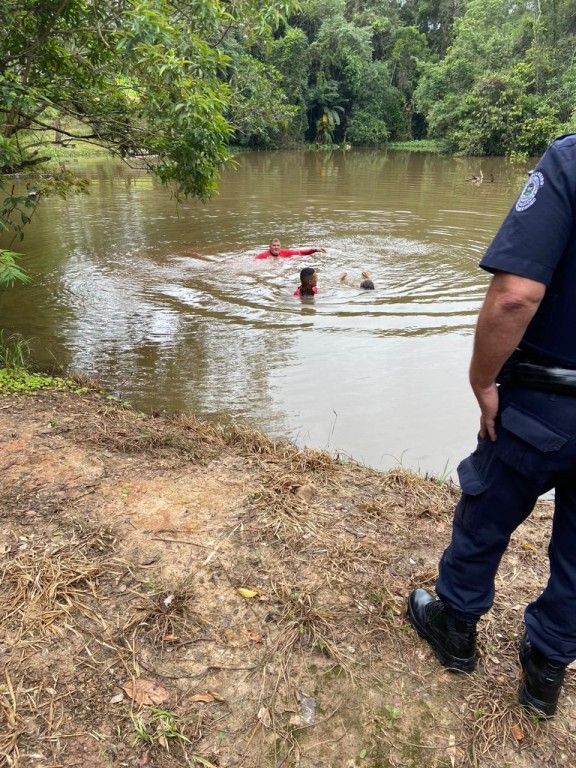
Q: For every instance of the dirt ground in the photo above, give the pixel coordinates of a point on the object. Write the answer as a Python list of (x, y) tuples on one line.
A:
[(173, 594)]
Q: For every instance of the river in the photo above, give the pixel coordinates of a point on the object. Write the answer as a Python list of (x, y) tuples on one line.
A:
[(165, 304)]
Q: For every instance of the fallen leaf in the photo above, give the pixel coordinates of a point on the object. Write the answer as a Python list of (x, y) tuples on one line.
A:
[(170, 638), (251, 634), (246, 592), (163, 741), (144, 760), (528, 547), (117, 699), (146, 692), (516, 731), (167, 601), (452, 749), (264, 717), (207, 697)]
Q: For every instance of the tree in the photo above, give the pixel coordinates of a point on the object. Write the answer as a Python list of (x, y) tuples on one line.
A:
[(290, 54), (126, 75), (378, 111), (259, 111), (139, 77), (435, 19), (487, 96), (499, 118), (340, 77)]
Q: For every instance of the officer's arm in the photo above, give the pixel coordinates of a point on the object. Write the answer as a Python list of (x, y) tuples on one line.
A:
[(510, 304)]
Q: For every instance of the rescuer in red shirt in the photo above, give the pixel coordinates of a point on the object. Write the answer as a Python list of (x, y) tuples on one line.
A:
[(276, 251)]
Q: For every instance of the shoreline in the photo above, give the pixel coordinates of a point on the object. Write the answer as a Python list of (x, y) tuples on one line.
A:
[(80, 152)]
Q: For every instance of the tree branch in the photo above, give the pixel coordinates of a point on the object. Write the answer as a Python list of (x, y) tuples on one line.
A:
[(64, 132)]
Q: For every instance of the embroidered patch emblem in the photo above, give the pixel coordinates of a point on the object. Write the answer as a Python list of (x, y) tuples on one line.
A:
[(528, 194)]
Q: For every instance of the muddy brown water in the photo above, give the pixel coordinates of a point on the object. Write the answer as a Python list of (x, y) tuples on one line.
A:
[(165, 304)]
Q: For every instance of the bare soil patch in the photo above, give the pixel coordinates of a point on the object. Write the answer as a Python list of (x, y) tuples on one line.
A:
[(173, 594)]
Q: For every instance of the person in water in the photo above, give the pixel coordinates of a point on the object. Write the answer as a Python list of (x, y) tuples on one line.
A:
[(276, 251), (308, 280), (365, 283)]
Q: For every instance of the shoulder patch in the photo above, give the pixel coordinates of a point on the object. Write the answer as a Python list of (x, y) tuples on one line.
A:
[(531, 188)]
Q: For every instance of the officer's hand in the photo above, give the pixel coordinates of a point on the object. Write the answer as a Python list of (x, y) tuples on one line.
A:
[(488, 401)]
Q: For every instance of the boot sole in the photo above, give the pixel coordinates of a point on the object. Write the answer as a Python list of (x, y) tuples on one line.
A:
[(451, 663)]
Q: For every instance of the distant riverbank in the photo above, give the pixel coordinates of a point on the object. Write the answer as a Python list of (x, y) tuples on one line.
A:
[(79, 151)]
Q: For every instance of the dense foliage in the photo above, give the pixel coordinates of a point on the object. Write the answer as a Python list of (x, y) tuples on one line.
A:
[(506, 82), (152, 78), (178, 81)]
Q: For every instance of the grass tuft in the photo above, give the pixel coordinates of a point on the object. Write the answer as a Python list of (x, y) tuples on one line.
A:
[(14, 351)]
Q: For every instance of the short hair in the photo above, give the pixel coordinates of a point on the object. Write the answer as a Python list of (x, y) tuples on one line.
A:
[(368, 285), (306, 272)]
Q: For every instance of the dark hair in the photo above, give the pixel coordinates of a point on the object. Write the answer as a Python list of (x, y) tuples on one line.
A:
[(306, 276), (368, 285)]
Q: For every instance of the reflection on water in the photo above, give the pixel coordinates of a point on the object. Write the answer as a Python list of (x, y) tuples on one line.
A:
[(167, 306)]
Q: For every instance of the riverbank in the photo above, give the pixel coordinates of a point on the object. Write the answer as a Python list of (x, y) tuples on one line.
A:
[(79, 152), (177, 593), (416, 145)]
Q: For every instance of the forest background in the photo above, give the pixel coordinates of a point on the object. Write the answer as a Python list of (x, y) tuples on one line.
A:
[(180, 83)]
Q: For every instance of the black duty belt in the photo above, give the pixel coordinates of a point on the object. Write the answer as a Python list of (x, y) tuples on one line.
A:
[(546, 378)]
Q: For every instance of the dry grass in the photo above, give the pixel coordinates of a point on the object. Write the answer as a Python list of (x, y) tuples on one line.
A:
[(60, 620), (358, 564), (304, 625), (165, 618), (45, 589), (48, 594), (330, 551)]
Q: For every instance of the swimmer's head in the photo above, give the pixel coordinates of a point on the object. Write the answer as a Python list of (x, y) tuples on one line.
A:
[(274, 247), (367, 285), (308, 280), (308, 277)]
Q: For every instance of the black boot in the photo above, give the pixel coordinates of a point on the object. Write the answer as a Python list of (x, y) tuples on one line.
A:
[(541, 680), (453, 641)]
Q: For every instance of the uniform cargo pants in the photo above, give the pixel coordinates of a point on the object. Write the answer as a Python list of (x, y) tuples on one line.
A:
[(535, 452)]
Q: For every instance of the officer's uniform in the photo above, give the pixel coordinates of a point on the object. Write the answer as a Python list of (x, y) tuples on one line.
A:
[(535, 449)]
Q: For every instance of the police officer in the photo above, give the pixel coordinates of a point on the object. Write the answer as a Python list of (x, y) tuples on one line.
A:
[(523, 374)]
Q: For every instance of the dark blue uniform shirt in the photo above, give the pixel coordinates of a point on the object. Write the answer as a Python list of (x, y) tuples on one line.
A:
[(537, 240)]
